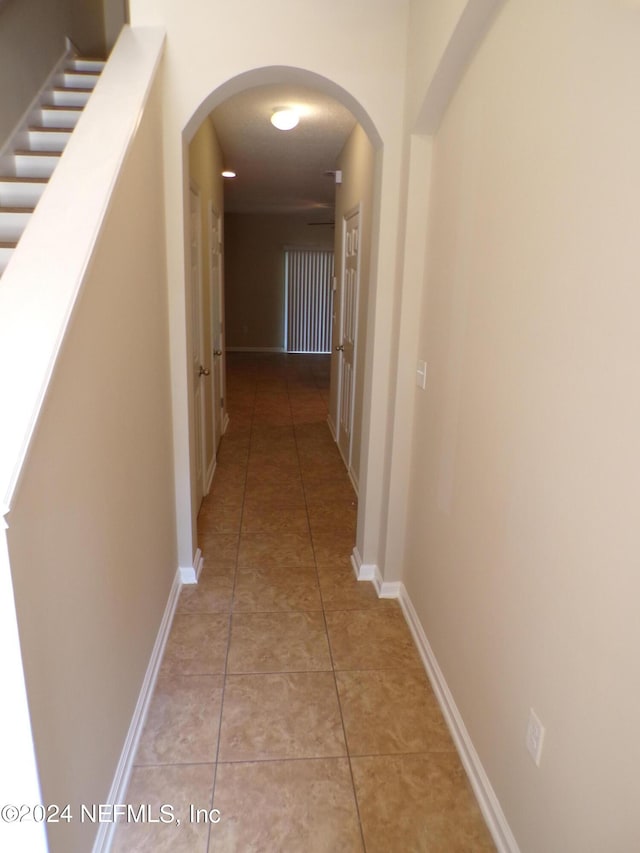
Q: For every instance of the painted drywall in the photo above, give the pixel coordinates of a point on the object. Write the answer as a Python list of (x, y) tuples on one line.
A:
[(523, 532), (254, 273), (357, 164), (32, 40), (115, 17), (313, 44), (205, 166), (92, 529), (88, 27)]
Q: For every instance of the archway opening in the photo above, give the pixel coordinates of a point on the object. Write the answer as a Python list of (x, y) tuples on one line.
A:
[(358, 194)]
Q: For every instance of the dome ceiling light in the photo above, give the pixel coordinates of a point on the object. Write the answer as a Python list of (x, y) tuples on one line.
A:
[(285, 119), (228, 173)]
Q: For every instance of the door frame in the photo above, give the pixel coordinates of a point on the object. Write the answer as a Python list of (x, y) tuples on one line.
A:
[(197, 332), (356, 209), (217, 362)]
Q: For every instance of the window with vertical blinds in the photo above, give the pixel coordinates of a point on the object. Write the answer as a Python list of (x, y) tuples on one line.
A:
[(308, 284)]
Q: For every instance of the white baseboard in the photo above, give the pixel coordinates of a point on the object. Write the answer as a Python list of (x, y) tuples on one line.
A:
[(332, 429), (190, 574), (366, 572), (209, 478), (104, 837), (485, 795), (225, 423), (354, 481)]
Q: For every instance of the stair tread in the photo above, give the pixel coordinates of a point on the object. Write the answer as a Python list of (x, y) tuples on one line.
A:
[(79, 90), (74, 108), (27, 152), (40, 128), (13, 209), (82, 70), (11, 245), (12, 179)]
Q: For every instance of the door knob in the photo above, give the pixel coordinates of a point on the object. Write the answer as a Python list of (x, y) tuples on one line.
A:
[(204, 371), (340, 348), (217, 352)]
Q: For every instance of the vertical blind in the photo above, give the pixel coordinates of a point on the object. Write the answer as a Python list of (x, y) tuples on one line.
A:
[(308, 277)]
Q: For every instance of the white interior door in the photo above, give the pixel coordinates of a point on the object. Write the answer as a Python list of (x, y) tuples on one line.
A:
[(197, 355), (215, 277), (349, 330)]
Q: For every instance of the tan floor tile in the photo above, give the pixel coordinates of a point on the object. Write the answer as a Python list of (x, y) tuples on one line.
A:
[(264, 462), (342, 591), (179, 786), (266, 807), (420, 803), (220, 516), (197, 644), (321, 492), (212, 594), (320, 469), (332, 546), (278, 642), (220, 550), (275, 549), (183, 721), (273, 417), (387, 711), (370, 639), (284, 715), (233, 454), (283, 493), (267, 519), (342, 516), (229, 475), (276, 588)]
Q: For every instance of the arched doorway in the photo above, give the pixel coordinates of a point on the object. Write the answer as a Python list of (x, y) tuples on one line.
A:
[(369, 210)]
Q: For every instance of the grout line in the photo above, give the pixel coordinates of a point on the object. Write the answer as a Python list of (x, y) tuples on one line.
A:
[(226, 659), (335, 680)]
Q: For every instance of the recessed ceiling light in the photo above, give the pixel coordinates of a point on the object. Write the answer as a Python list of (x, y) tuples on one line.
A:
[(228, 174), (285, 119)]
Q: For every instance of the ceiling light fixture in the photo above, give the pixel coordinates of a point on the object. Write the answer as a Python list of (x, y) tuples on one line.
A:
[(285, 119), (228, 174)]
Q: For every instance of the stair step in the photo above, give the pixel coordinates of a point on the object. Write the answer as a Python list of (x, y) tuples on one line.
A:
[(79, 79), (69, 96), (35, 164), (48, 138), (85, 63), (54, 115), (13, 221), (21, 192)]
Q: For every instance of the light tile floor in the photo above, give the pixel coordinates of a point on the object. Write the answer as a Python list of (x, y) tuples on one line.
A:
[(290, 697)]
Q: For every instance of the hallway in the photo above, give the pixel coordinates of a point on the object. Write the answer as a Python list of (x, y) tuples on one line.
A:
[(290, 697)]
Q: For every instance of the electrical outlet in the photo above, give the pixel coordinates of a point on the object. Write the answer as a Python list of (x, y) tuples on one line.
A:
[(535, 736)]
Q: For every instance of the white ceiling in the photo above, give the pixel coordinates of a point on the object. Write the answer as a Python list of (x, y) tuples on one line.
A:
[(281, 171)]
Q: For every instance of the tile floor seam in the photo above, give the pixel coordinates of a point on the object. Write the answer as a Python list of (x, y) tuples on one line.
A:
[(335, 681), (226, 660)]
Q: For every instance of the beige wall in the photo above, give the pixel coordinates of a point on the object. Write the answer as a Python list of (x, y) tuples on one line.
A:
[(32, 34), (91, 534), (88, 27), (205, 166), (357, 162), (523, 531), (254, 273)]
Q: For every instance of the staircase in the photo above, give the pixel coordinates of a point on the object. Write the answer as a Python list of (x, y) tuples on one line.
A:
[(35, 150)]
